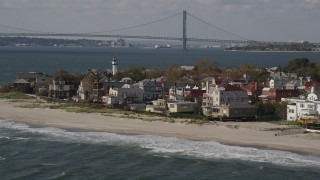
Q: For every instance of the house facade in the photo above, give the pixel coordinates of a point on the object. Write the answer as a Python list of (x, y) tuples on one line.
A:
[(253, 91), (149, 88), (304, 104), (61, 88), (226, 100), (85, 90), (297, 107), (125, 95), (181, 106), (272, 95), (163, 106), (29, 82)]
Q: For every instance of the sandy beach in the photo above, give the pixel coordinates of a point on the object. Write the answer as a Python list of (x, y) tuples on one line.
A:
[(232, 133)]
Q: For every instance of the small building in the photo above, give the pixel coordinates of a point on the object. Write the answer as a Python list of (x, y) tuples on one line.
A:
[(34, 77), (158, 106), (181, 106), (22, 85), (163, 106), (29, 82)]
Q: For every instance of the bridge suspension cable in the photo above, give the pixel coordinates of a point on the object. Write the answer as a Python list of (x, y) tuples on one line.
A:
[(181, 26), (200, 30)]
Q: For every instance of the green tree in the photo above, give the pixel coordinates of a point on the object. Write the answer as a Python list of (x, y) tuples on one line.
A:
[(136, 73), (255, 73), (173, 73), (206, 67), (303, 67), (281, 109), (265, 109), (154, 73), (296, 64)]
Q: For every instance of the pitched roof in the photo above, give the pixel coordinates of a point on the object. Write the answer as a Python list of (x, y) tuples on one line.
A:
[(249, 87), (21, 81), (229, 87), (197, 92), (312, 83)]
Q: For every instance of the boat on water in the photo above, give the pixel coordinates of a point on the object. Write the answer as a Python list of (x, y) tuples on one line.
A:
[(161, 46)]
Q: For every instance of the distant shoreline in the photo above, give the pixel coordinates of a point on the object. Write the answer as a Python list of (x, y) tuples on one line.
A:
[(270, 51)]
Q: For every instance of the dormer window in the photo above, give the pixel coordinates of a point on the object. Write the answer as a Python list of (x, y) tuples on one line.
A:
[(62, 82)]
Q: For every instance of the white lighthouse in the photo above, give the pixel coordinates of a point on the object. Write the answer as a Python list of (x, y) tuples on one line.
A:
[(114, 66)]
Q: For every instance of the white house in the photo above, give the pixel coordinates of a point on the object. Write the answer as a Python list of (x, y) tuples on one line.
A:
[(162, 106), (126, 94), (297, 107), (226, 100), (85, 89)]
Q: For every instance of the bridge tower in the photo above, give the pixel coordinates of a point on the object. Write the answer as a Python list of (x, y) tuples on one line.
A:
[(184, 30)]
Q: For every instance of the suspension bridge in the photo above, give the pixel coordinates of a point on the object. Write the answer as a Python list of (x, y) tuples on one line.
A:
[(182, 27)]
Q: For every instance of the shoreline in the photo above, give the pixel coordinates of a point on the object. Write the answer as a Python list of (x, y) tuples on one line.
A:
[(256, 51), (246, 135)]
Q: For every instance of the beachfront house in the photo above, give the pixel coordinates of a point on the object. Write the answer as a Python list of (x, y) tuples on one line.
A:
[(176, 93), (164, 106), (149, 88), (62, 88), (98, 91), (226, 100), (299, 105), (22, 85), (29, 82), (34, 77), (126, 94), (85, 89), (181, 106), (157, 106)]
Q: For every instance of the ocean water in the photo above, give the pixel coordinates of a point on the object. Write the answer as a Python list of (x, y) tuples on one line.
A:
[(51, 153), (14, 60)]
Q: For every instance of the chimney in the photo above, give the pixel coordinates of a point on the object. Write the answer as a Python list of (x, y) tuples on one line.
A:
[(312, 89), (308, 79), (255, 86), (301, 82)]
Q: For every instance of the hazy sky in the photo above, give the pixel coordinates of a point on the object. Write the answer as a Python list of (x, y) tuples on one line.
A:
[(272, 20)]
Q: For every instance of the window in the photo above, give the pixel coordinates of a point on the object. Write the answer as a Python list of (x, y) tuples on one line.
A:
[(302, 105), (310, 106), (171, 105), (214, 110), (291, 110)]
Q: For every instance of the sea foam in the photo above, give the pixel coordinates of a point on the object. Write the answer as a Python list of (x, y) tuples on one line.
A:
[(168, 146)]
